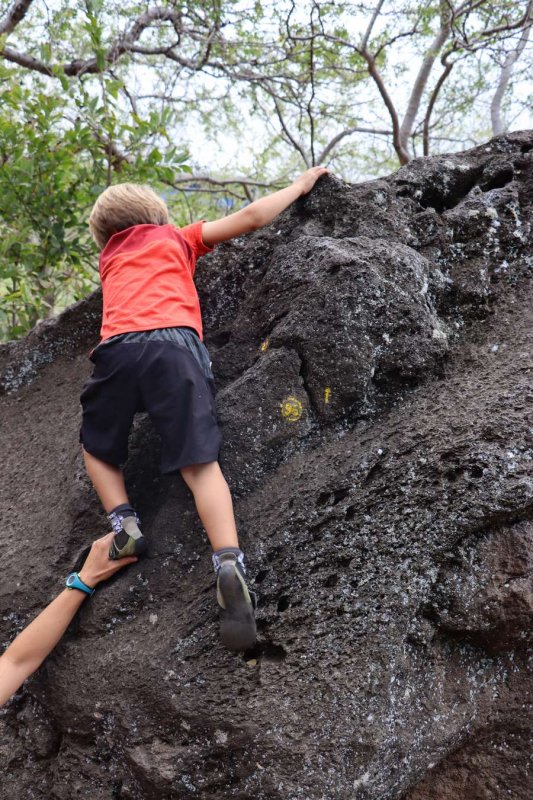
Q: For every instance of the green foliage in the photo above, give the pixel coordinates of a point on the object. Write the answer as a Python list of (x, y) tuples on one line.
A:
[(55, 162), (43, 248)]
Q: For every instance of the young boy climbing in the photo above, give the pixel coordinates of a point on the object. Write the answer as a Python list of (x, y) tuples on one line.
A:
[(151, 357)]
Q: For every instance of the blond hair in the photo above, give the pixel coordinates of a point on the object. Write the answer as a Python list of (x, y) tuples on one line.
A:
[(124, 205)]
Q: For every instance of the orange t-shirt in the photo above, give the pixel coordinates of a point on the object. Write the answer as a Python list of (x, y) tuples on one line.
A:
[(147, 279)]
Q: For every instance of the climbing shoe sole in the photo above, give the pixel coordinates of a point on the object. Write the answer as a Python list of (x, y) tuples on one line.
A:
[(237, 603)]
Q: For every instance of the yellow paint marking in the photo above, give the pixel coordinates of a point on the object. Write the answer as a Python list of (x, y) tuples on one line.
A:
[(291, 409), (327, 394), (264, 346)]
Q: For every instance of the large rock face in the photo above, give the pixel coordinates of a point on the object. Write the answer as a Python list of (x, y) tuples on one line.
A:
[(374, 353)]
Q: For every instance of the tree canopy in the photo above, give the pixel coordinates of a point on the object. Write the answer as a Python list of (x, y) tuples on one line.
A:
[(214, 102)]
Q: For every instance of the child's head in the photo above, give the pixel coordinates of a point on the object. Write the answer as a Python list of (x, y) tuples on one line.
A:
[(122, 206)]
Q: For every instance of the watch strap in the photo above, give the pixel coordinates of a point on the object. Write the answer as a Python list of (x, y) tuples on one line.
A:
[(74, 581)]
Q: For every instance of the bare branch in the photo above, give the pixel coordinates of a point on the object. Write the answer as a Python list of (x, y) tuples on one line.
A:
[(505, 75), (394, 39), (356, 129), (432, 100), (205, 190), (224, 181), (24, 60), (401, 151), (131, 99), (288, 134), (16, 13), (374, 73), (220, 186), (80, 67), (309, 108), (511, 26), (368, 32), (422, 78)]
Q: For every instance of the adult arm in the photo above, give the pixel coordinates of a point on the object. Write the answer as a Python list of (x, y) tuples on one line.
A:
[(34, 643), (260, 212), (27, 652)]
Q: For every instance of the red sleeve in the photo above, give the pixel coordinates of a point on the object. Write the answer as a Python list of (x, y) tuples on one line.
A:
[(193, 235)]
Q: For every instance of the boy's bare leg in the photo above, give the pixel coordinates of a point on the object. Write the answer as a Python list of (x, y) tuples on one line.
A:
[(107, 480), (213, 503), (215, 509)]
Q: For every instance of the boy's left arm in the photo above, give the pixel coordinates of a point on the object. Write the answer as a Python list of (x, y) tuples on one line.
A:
[(261, 212)]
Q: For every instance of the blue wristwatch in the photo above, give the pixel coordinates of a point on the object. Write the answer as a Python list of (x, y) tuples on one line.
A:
[(74, 582)]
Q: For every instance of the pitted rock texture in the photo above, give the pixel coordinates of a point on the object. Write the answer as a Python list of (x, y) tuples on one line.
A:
[(373, 350), (485, 593)]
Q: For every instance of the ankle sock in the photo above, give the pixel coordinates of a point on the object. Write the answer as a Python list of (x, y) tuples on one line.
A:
[(125, 510), (218, 558)]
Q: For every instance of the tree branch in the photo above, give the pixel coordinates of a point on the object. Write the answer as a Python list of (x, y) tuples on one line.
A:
[(16, 13), (288, 134), (401, 151), (422, 79), (309, 108), (368, 32), (448, 66), (224, 181), (221, 185), (505, 75), (23, 60), (356, 129), (510, 26), (80, 67)]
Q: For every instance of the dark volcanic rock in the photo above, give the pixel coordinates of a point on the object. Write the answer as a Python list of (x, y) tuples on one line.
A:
[(373, 349), (496, 764), (486, 593)]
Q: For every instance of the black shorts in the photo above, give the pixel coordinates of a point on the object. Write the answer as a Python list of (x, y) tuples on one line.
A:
[(165, 380)]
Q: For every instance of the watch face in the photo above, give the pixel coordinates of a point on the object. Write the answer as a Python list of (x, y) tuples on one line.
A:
[(71, 578)]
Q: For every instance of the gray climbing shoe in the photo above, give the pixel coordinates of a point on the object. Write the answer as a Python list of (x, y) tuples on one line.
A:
[(237, 605), (128, 540)]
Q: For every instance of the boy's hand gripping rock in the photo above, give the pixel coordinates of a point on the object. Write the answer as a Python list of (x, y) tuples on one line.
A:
[(308, 179)]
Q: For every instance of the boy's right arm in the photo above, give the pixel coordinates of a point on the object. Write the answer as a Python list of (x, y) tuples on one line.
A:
[(261, 212)]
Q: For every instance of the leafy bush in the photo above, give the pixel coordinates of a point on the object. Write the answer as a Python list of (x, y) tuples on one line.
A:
[(55, 162)]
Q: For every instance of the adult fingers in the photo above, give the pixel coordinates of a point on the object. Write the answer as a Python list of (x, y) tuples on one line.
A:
[(115, 566)]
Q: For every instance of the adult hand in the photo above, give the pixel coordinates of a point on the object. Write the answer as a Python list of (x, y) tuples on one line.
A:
[(98, 566), (308, 179)]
